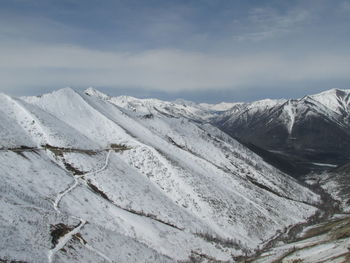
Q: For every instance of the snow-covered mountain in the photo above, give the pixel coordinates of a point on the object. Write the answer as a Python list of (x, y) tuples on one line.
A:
[(310, 131), (177, 108), (86, 177)]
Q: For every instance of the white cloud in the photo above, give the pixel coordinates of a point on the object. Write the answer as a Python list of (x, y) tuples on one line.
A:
[(166, 70)]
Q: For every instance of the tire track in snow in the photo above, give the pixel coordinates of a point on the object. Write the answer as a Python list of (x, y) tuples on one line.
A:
[(64, 239), (103, 167), (62, 194)]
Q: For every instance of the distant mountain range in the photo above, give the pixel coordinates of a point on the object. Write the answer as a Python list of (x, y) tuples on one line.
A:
[(297, 135)]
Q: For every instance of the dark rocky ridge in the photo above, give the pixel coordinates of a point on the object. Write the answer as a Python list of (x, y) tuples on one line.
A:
[(295, 134)]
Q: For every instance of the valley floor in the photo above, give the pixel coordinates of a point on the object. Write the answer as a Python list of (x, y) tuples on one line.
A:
[(328, 242), (324, 239)]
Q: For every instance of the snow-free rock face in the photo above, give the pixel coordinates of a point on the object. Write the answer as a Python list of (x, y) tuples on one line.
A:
[(313, 129), (92, 178)]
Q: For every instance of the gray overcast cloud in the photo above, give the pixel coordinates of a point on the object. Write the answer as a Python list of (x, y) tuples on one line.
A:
[(198, 50)]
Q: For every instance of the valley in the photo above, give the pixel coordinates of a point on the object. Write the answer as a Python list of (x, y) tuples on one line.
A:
[(87, 177)]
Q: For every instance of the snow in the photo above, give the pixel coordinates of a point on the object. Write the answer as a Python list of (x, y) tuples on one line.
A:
[(177, 108), (291, 116), (334, 99), (326, 164), (332, 105), (266, 103), (336, 184), (222, 106), (89, 122), (176, 177), (27, 189), (63, 240), (98, 253), (62, 194), (322, 246)]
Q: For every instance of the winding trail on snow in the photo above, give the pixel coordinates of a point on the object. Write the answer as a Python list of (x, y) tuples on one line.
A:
[(65, 239), (63, 193), (103, 167), (76, 182)]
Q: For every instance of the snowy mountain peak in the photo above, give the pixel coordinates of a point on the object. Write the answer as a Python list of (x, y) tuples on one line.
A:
[(333, 92), (184, 102), (222, 106), (267, 102), (67, 91), (336, 100), (4, 96), (94, 92)]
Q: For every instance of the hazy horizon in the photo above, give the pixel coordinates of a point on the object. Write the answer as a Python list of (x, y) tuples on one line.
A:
[(142, 94)]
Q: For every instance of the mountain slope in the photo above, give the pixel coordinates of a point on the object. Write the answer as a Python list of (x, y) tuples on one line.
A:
[(306, 131), (336, 183), (100, 182)]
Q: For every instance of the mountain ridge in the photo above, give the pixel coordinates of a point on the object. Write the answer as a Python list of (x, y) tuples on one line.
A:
[(152, 179), (296, 128)]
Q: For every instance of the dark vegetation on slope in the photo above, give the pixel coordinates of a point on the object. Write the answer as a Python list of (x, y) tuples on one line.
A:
[(60, 150), (96, 190), (58, 231), (11, 261), (119, 147), (79, 237), (225, 242)]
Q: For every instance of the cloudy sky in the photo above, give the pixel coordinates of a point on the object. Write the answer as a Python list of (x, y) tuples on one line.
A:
[(202, 50)]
